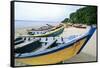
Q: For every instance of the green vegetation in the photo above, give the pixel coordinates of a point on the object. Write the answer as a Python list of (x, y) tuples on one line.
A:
[(86, 15)]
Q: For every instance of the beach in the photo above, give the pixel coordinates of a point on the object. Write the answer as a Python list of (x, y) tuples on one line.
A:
[(87, 54)]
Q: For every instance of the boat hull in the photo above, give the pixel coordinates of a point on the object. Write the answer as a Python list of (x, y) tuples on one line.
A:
[(54, 57), (51, 33)]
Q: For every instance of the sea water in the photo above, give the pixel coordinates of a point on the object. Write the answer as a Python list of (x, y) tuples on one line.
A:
[(34, 24)]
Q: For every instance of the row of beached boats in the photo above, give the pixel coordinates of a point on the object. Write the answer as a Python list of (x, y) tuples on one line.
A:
[(76, 25), (47, 48)]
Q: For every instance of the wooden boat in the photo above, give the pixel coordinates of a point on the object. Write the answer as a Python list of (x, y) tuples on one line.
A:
[(47, 33), (56, 51), (79, 26)]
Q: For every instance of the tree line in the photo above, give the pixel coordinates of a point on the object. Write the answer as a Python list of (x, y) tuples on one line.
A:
[(86, 15)]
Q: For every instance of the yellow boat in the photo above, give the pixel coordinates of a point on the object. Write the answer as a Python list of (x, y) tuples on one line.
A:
[(56, 54)]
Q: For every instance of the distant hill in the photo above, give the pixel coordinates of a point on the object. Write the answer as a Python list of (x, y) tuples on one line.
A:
[(86, 15)]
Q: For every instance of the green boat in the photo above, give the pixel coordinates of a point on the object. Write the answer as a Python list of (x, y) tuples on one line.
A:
[(55, 31)]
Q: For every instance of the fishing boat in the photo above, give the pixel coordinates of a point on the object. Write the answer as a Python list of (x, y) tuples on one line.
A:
[(79, 26), (54, 49), (54, 31)]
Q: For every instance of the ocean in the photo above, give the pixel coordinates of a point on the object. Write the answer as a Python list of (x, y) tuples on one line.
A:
[(35, 24)]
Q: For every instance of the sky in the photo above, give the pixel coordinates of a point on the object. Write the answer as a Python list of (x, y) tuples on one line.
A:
[(43, 12)]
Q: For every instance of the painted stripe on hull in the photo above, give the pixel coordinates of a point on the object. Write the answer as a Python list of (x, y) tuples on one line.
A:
[(55, 57), (56, 33)]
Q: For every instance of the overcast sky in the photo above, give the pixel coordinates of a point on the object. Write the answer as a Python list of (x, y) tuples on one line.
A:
[(43, 12)]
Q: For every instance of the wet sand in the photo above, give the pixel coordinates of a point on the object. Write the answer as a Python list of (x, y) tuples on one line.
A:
[(87, 54)]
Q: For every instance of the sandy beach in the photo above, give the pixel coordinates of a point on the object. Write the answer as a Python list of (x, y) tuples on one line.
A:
[(88, 53)]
